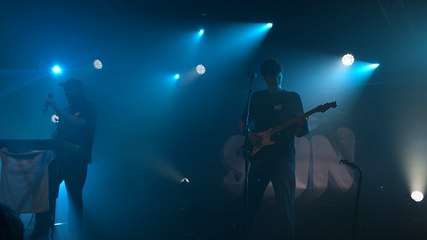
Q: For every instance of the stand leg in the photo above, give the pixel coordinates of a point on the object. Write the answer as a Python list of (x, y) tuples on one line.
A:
[(356, 207)]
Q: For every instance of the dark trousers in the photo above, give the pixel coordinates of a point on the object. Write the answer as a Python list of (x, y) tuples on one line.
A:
[(72, 169), (282, 175)]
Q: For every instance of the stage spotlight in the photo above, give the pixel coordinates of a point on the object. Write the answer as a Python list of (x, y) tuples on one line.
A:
[(200, 69), (201, 32), (97, 64), (56, 70), (54, 118), (348, 60), (184, 180), (417, 196), (269, 25), (373, 66), (177, 76)]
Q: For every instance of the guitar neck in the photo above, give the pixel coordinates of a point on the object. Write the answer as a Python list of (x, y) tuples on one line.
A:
[(311, 112), (291, 122), (320, 108)]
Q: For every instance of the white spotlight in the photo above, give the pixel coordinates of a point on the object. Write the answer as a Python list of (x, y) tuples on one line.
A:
[(184, 180), (97, 64), (417, 196), (348, 60), (269, 25), (200, 69), (54, 118)]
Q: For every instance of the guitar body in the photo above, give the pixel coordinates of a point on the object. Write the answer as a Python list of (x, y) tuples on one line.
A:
[(260, 140)]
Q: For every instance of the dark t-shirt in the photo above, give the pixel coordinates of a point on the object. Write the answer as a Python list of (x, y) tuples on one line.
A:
[(269, 110), (81, 136)]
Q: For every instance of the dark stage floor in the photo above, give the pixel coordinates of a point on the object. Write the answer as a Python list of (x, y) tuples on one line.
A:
[(314, 221)]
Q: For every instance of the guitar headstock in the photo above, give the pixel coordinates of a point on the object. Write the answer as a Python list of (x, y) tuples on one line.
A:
[(321, 108), (324, 107)]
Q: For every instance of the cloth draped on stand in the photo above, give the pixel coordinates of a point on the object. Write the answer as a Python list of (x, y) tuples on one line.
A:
[(24, 180)]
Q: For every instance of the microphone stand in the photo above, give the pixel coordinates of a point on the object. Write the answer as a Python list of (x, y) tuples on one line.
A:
[(246, 148), (356, 223)]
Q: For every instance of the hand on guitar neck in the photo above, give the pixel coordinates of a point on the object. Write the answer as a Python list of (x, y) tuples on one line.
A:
[(255, 138)]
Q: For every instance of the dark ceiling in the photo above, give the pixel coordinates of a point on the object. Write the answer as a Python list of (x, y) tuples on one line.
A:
[(32, 30)]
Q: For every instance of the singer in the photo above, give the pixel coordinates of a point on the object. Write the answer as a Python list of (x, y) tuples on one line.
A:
[(276, 163), (76, 129)]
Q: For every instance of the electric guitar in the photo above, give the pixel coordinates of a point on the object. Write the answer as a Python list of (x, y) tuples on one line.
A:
[(262, 139)]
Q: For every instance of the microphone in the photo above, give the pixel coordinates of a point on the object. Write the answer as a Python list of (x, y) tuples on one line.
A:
[(348, 163), (252, 75), (46, 106)]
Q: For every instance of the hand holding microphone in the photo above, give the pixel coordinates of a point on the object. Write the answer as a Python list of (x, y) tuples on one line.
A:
[(48, 102), (252, 75)]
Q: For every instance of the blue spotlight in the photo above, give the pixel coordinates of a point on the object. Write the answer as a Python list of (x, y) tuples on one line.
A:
[(201, 32), (177, 76), (265, 27), (56, 70), (373, 66)]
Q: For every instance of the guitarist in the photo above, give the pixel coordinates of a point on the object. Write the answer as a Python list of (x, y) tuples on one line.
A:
[(276, 162)]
